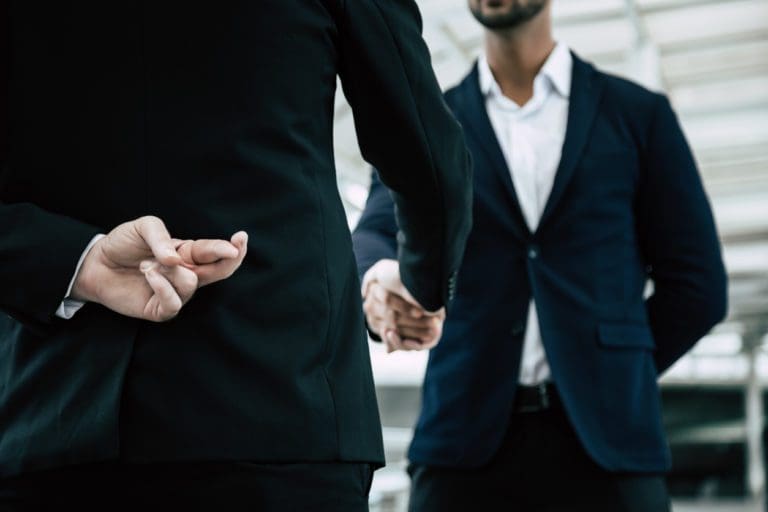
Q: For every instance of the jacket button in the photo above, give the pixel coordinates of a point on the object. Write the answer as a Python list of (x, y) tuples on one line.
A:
[(533, 253), (518, 329)]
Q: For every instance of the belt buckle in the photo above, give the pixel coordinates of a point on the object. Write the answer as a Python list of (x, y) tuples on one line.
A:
[(543, 395), (542, 401)]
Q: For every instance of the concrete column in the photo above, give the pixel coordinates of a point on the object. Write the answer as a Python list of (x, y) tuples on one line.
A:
[(755, 420)]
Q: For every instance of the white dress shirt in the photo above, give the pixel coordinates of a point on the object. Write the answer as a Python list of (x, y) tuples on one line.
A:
[(531, 137), (70, 306)]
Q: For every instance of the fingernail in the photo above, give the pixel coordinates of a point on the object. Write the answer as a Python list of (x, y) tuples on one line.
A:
[(243, 235), (146, 266)]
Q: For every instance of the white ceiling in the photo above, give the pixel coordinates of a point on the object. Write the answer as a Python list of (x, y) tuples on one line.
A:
[(710, 56)]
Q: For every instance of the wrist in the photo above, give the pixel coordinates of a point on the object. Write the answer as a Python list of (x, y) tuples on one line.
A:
[(86, 284), (368, 279)]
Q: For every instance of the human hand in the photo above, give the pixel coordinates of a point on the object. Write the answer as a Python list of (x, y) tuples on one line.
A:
[(138, 270), (213, 260), (394, 314)]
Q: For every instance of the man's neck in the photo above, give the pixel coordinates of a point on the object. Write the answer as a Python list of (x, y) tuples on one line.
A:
[(517, 55)]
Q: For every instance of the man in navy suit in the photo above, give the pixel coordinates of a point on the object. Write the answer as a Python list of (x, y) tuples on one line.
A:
[(542, 393)]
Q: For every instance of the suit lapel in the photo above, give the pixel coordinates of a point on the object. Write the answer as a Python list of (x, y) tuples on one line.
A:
[(586, 89), (479, 127)]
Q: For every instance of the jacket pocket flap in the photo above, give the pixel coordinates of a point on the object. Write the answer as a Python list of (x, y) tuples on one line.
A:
[(626, 335)]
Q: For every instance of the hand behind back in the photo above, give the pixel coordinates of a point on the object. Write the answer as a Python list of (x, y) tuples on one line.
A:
[(138, 270)]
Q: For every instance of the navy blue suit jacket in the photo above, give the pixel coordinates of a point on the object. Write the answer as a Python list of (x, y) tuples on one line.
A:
[(627, 205)]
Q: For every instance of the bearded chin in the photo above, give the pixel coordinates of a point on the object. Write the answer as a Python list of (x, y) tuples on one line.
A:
[(516, 16)]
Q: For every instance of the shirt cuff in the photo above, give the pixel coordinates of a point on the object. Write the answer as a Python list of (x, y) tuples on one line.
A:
[(70, 306)]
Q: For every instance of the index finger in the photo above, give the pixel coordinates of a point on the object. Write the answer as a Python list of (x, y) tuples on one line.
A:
[(402, 306)]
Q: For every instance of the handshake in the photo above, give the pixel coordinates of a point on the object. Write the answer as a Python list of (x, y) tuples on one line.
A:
[(139, 270), (393, 314)]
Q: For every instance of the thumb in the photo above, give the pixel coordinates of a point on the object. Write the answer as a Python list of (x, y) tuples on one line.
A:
[(387, 273)]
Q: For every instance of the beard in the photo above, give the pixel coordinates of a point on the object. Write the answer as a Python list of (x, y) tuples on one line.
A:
[(514, 15)]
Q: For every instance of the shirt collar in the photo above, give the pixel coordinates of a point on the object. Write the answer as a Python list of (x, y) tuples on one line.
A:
[(558, 69)]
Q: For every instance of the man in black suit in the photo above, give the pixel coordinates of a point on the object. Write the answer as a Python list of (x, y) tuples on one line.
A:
[(122, 381), (542, 392)]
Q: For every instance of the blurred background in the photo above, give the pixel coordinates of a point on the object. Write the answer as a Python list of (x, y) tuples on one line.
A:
[(711, 58)]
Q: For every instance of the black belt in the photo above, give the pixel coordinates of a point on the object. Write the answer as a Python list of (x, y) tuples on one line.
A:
[(540, 397)]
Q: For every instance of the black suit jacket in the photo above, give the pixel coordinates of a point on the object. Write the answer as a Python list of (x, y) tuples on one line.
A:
[(627, 205), (214, 118)]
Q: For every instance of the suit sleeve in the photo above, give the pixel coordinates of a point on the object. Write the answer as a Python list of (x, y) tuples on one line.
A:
[(39, 250), (375, 237), (679, 241), (407, 132)]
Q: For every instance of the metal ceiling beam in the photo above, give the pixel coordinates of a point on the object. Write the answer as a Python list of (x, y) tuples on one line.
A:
[(644, 59), (616, 13)]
